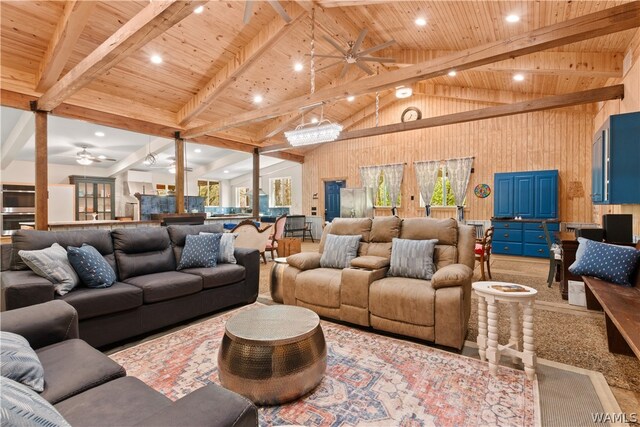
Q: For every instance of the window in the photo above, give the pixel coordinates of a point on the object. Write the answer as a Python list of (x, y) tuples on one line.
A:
[(382, 195), (280, 195), (441, 192), (242, 197), (165, 189), (210, 190)]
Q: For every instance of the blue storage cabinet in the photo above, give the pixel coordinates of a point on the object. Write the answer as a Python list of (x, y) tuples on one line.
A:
[(532, 196), (615, 177)]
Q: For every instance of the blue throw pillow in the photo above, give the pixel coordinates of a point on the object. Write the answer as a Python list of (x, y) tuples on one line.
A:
[(339, 251), (611, 263), (412, 258), (200, 251), (91, 267)]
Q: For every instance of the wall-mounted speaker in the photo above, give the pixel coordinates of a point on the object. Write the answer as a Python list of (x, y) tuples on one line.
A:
[(618, 228), (596, 234)]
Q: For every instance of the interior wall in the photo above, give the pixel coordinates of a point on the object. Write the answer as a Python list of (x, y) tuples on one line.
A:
[(555, 139), (630, 103), (25, 172), (279, 170)]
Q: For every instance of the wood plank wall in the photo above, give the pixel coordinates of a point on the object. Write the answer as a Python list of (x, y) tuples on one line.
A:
[(558, 139)]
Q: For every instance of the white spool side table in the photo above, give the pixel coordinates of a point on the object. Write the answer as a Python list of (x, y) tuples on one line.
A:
[(489, 348)]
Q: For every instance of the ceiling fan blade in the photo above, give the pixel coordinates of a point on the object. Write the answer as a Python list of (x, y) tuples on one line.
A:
[(278, 7), (247, 12), (325, 56), (336, 45), (358, 43), (377, 48), (345, 68), (107, 160), (375, 59), (328, 66), (365, 67)]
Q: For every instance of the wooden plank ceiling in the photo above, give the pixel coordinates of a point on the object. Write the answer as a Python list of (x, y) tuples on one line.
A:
[(213, 64)]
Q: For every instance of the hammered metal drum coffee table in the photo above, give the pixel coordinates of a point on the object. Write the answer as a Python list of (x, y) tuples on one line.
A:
[(272, 355)]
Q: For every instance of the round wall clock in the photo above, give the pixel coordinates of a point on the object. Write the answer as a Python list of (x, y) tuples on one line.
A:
[(411, 114), (482, 190)]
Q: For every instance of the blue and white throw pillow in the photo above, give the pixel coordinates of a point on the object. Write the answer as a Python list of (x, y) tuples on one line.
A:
[(21, 406), (227, 247), (200, 251), (52, 264), (412, 258), (91, 267), (612, 263), (19, 362), (339, 251)]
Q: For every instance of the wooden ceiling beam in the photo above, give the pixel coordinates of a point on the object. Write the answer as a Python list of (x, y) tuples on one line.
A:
[(74, 18), (157, 17), (271, 34), (546, 103), (585, 27), (575, 64)]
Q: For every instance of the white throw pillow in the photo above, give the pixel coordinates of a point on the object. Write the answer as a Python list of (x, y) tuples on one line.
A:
[(52, 264)]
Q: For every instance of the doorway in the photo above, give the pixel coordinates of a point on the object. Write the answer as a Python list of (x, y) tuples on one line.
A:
[(332, 199)]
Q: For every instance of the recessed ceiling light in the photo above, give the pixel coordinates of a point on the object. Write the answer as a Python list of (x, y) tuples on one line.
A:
[(257, 99), (452, 73), (403, 92), (100, 134), (421, 22), (314, 120), (156, 59), (512, 18), (102, 157), (298, 66), (197, 150), (351, 98), (198, 9), (518, 77), (225, 171)]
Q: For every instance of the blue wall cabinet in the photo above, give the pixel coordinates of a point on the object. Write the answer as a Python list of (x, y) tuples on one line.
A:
[(616, 159), (530, 195), (503, 196)]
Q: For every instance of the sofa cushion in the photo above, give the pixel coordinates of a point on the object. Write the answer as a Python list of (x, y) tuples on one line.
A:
[(320, 286), (19, 362), (179, 233), (122, 402), (52, 264), (351, 227), (93, 270), (200, 251), (339, 251), (142, 250), (445, 230), (404, 300), (98, 302), (37, 239), (73, 366), (21, 406), (220, 275), (412, 258), (385, 228), (380, 249), (444, 255), (166, 285), (370, 262)]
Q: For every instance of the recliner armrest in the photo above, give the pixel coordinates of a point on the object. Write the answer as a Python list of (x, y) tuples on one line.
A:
[(305, 260), (210, 405), (370, 262), (42, 324), (451, 275)]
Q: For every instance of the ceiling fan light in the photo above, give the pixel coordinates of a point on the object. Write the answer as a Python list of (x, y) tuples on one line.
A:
[(403, 92), (84, 161)]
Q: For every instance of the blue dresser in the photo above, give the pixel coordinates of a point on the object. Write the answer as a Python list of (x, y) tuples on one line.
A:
[(533, 196)]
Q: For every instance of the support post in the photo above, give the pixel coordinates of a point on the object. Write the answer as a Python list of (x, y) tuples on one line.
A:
[(256, 183), (42, 172), (179, 174)]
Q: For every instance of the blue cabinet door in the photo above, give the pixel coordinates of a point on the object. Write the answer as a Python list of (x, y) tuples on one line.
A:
[(503, 195), (597, 171), (546, 191), (622, 159), (524, 195)]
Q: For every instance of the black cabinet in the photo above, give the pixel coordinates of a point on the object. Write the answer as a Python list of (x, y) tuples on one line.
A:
[(95, 197)]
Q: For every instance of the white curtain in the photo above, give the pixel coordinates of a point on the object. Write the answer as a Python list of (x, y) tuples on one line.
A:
[(427, 176), (459, 172), (369, 176), (393, 180)]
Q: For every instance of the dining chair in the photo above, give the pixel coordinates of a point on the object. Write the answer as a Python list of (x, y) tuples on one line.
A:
[(483, 252), (555, 254), (278, 233), (250, 236)]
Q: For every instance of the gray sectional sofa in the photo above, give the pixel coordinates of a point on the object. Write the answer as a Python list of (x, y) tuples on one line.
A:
[(149, 292), (89, 389)]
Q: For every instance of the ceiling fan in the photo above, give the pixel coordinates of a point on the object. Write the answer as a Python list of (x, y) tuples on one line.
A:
[(353, 55), (85, 158), (171, 167), (274, 4)]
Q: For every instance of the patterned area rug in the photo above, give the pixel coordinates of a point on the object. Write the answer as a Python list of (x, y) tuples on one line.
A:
[(370, 380)]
